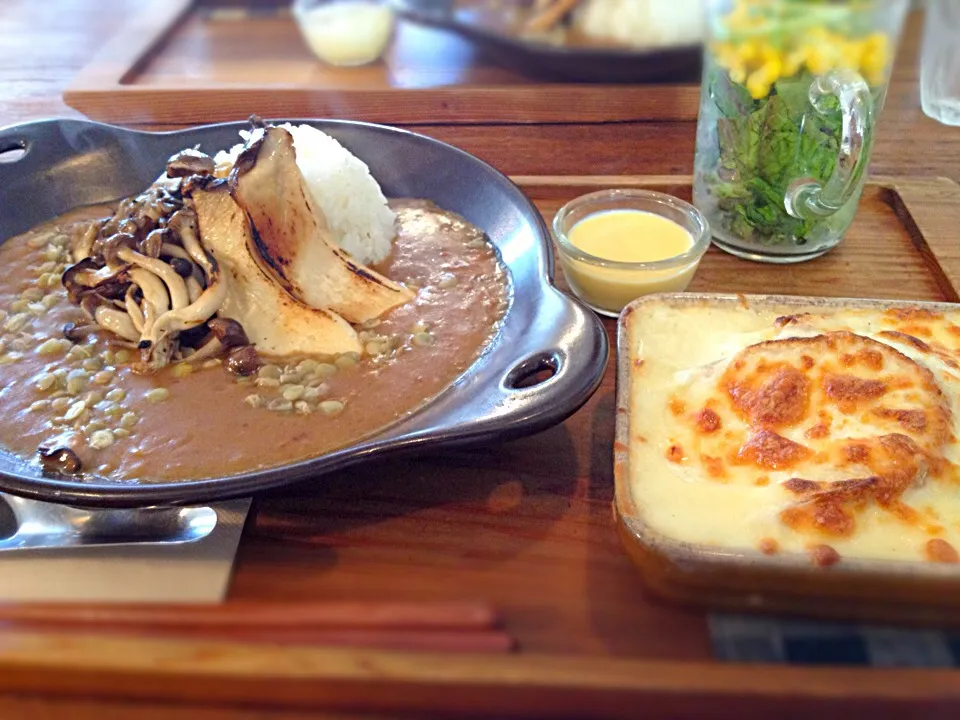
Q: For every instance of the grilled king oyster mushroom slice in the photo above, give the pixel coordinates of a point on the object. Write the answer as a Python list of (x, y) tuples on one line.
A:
[(275, 322), (292, 235)]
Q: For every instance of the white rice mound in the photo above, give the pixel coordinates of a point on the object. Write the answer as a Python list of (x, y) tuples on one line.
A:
[(341, 184), (643, 23)]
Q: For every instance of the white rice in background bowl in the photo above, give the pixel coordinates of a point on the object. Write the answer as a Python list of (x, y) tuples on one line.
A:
[(341, 184), (643, 24)]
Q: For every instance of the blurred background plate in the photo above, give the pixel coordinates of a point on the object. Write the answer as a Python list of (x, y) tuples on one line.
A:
[(580, 63)]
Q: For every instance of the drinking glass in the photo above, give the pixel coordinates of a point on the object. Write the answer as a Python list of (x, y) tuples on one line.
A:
[(791, 93), (940, 62), (345, 33)]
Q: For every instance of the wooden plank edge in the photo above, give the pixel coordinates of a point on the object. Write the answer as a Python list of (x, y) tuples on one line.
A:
[(128, 47), (529, 685), (110, 101), (599, 182), (910, 182), (566, 105), (929, 209)]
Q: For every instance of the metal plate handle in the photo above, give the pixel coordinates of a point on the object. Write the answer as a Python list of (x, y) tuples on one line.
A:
[(564, 337), (15, 147), (43, 525)]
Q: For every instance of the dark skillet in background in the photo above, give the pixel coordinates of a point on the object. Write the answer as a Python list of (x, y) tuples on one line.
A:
[(574, 63), (68, 163)]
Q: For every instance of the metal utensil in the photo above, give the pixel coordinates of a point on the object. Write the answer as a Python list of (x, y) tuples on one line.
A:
[(45, 525)]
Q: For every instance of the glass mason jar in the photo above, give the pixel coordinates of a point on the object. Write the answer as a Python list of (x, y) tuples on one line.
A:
[(791, 94)]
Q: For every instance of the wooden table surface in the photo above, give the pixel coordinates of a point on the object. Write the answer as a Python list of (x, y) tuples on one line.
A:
[(507, 512), (46, 43)]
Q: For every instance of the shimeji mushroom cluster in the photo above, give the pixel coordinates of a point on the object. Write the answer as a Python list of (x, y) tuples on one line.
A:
[(143, 274)]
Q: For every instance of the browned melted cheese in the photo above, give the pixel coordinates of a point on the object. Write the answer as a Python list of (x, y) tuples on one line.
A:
[(768, 450), (845, 414), (865, 412)]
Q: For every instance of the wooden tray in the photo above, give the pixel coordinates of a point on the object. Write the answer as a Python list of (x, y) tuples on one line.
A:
[(902, 244), (529, 527), (190, 61)]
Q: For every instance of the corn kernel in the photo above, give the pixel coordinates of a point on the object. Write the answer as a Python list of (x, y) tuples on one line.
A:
[(820, 61), (773, 69), (725, 53), (849, 55), (182, 369), (739, 17), (748, 52), (794, 61), (875, 57), (758, 85), (876, 78), (768, 54), (877, 42)]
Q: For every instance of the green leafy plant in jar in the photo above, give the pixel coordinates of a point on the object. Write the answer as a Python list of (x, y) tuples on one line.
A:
[(791, 92)]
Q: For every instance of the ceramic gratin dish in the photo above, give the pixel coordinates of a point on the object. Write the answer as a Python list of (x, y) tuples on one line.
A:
[(748, 580), (505, 393)]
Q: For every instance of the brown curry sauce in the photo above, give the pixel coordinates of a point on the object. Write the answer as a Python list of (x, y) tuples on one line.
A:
[(207, 427)]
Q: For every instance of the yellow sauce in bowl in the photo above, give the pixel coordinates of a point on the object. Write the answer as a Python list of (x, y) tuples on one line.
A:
[(630, 236), (626, 236)]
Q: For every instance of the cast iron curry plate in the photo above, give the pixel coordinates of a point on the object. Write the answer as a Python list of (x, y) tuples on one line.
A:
[(68, 163)]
